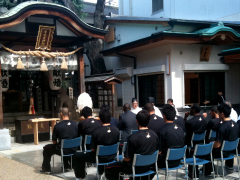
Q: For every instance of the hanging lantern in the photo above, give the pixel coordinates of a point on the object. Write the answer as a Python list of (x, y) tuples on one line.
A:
[(20, 64), (43, 66), (55, 79), (64, 64), (5, 80)]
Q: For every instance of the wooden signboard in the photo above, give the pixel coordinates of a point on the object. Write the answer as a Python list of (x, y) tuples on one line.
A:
[(45, 37)]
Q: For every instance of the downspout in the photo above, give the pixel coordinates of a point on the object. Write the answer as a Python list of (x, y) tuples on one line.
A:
[(134, 67)]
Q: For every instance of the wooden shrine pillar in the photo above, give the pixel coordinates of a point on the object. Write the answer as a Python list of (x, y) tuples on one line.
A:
[(81, 76), (113, 98), (1, 107)]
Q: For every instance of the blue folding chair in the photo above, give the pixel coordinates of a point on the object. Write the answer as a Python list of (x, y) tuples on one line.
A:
[(133, 131), (87, 141), (143, 160), (212, 134), (69, 143), (175, 154), (201, 150), (105, 151), (121, 157), (228, 146), (198, 137)]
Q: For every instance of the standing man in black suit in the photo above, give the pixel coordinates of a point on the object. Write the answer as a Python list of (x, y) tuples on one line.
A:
[(127, 122)]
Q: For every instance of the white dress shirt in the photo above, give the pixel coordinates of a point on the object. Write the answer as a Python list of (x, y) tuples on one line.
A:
[(157, 112), (233, 115), (135, 111)]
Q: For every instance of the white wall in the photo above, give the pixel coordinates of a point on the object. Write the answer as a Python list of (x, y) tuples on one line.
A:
[(232, 84), (132, 32), (128, 91), (191, 55), (184, 9)]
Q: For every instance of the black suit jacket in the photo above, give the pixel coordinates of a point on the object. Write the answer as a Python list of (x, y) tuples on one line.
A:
[(127, 122)]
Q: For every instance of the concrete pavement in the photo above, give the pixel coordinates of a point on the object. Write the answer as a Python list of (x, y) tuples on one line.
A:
[(24, 161)]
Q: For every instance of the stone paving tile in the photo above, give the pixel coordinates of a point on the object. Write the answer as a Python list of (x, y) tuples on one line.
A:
[(31, 155)]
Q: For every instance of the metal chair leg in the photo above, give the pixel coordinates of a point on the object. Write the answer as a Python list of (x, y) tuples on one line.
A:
[(222, 170), (203, 171), (238, 166), (213, 170), (177, 174)]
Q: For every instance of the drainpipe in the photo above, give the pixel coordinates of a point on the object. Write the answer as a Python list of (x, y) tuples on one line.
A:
[(134, 67)]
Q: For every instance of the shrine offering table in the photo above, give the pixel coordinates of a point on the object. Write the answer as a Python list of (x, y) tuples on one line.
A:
[(36, 127), (24, 129)]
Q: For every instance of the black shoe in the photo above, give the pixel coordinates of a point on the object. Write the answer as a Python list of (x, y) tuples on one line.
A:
[(45, 171)]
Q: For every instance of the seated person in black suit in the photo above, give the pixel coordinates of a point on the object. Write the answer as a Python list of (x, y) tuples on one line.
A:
[(66, 129), (170, 136), (197, 124), (228, 130), (213, 124), (155, 122), (113, 121), (127, 122), (104, 135), (143, 142)]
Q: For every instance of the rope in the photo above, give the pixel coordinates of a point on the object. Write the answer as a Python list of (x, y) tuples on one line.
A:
[(41, 53)]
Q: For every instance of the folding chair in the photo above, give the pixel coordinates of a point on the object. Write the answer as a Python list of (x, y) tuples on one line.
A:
[(87, 141), (175, 154), (105, 151), (198, 137), (212, 134), (201, 150), (121, 157), (133, 131), (143, 160), (228, 146), (69, 143)]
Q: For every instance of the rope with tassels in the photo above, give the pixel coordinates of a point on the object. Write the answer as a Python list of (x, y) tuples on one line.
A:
[(41, 53)]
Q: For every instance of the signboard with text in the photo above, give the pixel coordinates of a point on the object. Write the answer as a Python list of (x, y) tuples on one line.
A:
[(45, 37)]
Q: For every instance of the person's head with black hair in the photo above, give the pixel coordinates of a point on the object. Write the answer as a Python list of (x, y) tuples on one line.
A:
[(149, 108), (86, 112), (134, 103), (126, 107), (170, 101), (105, 107), (224, 111), (143, 118), (105, 117), (64, 113), (214, 112), (195, 110), (169, 112)]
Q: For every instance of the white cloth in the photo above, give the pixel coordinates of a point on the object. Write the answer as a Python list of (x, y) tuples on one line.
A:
[(176, 110), (233, 115), (135, 111), (157, 112)]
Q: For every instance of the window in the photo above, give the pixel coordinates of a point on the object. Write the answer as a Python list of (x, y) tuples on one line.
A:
[(203, 86), (157, 5), (151, 86)]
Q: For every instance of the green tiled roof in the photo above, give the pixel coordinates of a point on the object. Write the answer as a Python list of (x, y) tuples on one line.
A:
[(230, 52), (215, 28)]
